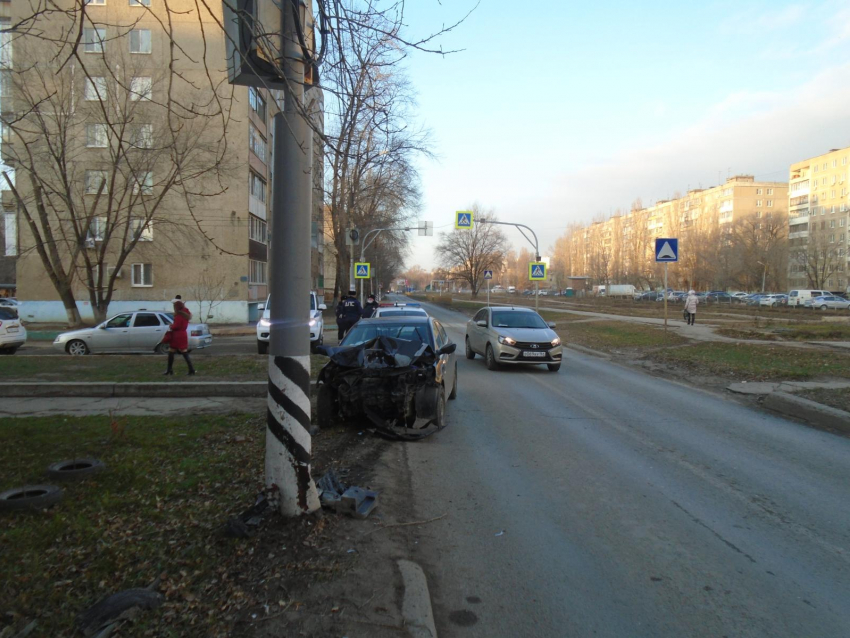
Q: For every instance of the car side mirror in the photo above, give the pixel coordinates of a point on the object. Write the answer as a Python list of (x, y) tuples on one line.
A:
[(448, 348), (552, 325), (103, 326), (481, 323), (322, 306)]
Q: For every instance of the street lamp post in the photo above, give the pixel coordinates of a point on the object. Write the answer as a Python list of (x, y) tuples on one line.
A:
[(534, 243), (764, 274)]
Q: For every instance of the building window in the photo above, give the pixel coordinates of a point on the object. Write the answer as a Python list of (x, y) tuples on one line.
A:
[(140, 3), (142, 275), (257, 229), (140, 41), (758, 191), (144, 183), (770, 203), (142, 230), (140, 88), (257, 187), (257, 272), (97, 2), (96, 136), (832, 223), (841, 223), (770, 191), (95, 89), (97, 230), (258, 104), (93, 40), (11, 234), (141, 136), (758, 214), (257, 143), (94, 180), (834, 163), (758, 202)]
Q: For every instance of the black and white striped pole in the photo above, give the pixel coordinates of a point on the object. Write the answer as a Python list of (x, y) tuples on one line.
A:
[(288, 440)]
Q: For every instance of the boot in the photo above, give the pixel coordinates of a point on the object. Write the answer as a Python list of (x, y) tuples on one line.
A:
[(168, 370), (189, 363)]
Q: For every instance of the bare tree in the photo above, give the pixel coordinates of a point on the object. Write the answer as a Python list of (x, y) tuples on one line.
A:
[(468, 253), (818, 259), (208, 291)]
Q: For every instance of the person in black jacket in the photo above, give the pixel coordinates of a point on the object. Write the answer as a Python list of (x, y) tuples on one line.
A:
[(348, 312), (370, 307)]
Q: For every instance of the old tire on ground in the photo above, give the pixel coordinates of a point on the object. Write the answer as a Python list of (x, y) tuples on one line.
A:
[(262, 347), (326, 412), (470, 353), (77, 348), (161, 348), (553, 367), (453, 394), (30, 497), (74, 468), (490, 358)]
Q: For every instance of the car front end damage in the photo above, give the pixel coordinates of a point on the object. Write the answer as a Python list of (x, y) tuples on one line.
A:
[(392, 382)]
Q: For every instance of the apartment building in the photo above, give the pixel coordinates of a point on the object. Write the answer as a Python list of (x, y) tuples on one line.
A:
[(208, 239), (819, 207)]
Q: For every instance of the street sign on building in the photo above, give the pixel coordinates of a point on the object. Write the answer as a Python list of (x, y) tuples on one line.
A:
[(666, 249), (537, 271), (362, 270), (463, 219), (488, 274)]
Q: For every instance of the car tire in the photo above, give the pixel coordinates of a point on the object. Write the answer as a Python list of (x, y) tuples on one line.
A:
[(262, 347), (440, 409), (7, 350), (490, 358), (161, 348), (326, 412), (74, 468), (553, 367), (77, 348), (453, 394), (823, 307), (470, 353), (30, 497)]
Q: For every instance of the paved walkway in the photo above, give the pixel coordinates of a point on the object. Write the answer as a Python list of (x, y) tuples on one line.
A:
[(84, 406)]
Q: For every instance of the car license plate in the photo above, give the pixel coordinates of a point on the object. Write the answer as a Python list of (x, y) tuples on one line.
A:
[(11, 329), (529, 353), (208, 341)]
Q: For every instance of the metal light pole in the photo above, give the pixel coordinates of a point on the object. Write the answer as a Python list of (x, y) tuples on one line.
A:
[(288, 441), (764, 274), (365, 244), (519, 227)]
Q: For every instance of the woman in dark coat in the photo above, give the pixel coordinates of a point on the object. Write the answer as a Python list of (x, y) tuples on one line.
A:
[(177, 338)]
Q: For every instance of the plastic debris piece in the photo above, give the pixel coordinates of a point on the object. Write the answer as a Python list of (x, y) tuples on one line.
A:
[(500, 533)]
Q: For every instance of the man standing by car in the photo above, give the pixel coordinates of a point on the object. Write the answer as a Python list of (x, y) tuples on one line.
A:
[(370, 307), (348, 311), (691, 302)]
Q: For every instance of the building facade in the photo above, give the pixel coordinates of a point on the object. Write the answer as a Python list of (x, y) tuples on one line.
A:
[(208, 237)]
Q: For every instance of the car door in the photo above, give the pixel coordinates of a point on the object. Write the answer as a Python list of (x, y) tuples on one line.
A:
[(113, 335), (146, 331), (448, 360), (477, 334)]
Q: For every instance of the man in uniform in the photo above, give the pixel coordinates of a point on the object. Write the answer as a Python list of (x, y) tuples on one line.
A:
[(369, 308), (348, 312)]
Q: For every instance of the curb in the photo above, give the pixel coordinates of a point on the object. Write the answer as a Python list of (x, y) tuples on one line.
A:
[(813, 413), (115, 390), (416, 605)]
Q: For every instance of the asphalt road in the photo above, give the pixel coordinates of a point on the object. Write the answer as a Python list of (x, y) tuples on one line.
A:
[(601, 501)]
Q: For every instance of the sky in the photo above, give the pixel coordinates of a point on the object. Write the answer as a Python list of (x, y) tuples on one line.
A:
[(557, 112)]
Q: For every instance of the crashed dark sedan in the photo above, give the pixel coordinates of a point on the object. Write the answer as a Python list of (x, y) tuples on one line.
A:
[(397, 372)]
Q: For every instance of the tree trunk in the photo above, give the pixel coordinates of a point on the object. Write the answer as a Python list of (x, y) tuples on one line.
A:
[(74, 319)]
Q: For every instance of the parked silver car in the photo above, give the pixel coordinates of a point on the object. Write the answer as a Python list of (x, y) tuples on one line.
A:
[(830, 302), (140, 331), (513, 336), (12, 332)]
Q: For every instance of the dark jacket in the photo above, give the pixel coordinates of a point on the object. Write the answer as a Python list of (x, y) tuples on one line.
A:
[(369, 309), (348, 309)]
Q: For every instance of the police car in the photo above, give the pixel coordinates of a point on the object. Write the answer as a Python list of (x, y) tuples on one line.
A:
[(400, 310), (317, 324)]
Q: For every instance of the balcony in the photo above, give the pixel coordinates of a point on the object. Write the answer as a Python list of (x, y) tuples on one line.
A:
[(803, 233), (798, 220)]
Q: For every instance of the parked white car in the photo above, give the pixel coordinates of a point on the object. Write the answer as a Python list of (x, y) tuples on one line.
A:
[(140, 331), (400, 310), (12, 332), (317, 324), (804, 297)]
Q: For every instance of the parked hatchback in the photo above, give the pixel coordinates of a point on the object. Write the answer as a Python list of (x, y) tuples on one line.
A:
[(12, 332), (513, 336), (140, 331)]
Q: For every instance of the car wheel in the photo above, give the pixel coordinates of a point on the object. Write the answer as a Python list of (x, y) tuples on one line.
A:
[(77, 348), (470, 353), (553, 367), (162, 348), (440, 409), (773, 305), (262, 347), (7, 350), (490, 358), (823, 307), (326, 412), (453, 395)]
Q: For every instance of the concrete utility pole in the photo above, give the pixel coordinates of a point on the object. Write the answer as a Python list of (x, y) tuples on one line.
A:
[(288, 441)]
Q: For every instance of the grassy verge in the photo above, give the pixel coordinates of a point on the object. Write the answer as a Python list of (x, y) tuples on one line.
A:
[(817, 332), (154, 512), (756, 362), (129, 368), (839, 399), (616, 335)]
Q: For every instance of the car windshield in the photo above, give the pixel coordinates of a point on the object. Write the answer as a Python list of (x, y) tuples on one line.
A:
[(6, 313), (518, 320), (363, 332)]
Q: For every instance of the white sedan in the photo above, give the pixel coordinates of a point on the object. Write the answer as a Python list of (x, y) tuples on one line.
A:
[(12, 333)]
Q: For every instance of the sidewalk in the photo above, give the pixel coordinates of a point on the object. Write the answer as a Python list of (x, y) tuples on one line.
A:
[(128, 406)]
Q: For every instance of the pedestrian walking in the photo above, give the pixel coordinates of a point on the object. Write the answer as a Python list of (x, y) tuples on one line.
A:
[(348, 312), (691, 302), (370, 307), (177, 338)]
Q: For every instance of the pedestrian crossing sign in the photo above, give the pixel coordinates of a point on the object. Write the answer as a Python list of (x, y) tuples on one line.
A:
[(537, 271), (362, 270), (463, 219)]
